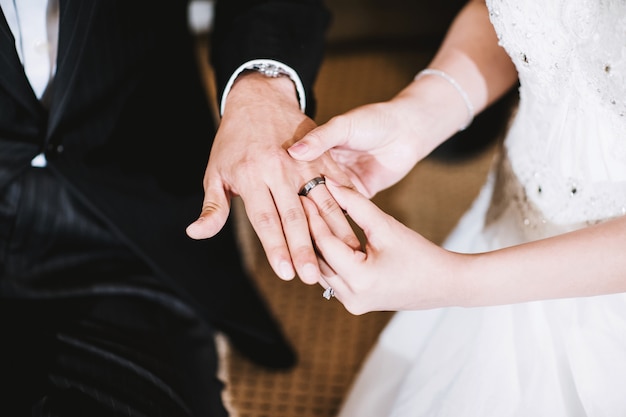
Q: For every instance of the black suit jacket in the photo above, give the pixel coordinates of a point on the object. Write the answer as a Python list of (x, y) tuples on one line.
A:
[(129, 127)]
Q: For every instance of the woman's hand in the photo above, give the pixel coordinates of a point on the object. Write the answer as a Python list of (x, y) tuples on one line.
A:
[(375, 144), (398, 268)]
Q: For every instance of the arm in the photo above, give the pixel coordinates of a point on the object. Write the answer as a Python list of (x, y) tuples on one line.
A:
[(288, 31), (379, 143), (261, 117), (401, 270)]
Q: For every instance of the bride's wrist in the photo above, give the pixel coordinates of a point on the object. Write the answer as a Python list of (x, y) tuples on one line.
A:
[(429, 113)]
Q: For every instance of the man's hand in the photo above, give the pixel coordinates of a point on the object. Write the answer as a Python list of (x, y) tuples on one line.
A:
[(249, 159)]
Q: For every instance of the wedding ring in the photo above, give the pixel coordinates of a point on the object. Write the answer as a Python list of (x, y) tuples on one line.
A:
[(306, 188), (328, 293)]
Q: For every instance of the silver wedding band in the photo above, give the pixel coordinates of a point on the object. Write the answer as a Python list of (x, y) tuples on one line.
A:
[(306, 188)]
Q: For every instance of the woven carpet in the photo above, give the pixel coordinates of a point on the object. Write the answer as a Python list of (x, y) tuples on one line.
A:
[(332, 343)]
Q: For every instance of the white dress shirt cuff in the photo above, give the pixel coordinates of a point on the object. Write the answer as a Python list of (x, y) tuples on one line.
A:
[(290, 72)]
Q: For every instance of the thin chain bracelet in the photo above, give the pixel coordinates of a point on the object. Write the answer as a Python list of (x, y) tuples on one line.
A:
[(457, 87)]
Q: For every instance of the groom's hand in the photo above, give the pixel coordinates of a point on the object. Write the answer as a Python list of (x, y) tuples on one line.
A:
[(249, 159)]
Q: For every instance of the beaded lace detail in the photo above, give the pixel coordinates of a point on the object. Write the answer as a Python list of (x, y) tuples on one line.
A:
[(567, 142)]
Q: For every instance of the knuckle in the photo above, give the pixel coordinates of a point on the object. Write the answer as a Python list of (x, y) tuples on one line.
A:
[(328, 206), (265, 220), (302, 254), (352, 241), (293, 215), (210, 206)]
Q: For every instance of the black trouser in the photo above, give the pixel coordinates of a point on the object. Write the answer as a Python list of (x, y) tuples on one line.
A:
[(85, 328)]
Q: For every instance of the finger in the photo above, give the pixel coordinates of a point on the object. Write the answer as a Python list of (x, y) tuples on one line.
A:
[(329, 277), (319, 140), (325, 269), (339, 289), (340, 257), (215, 209), (334, 216), (266, 222), (362, 211), (296, 233), (347, 177)]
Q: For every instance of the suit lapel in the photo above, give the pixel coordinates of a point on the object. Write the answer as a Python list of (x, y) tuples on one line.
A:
[(12, 76), (75, 18)]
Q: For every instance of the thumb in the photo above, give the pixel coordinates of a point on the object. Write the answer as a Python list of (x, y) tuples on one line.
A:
[(215, 209), (319, 140)]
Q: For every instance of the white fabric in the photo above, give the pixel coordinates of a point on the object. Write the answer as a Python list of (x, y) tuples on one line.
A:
[(293, 75), (564, 168), (34, 24), (35, 27)]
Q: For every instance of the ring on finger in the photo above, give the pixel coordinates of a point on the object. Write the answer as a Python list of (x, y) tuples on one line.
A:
[(328, 293), (306, 188)]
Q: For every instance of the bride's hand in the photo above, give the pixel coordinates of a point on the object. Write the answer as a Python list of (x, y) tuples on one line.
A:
[(398, 269), (375, 144)]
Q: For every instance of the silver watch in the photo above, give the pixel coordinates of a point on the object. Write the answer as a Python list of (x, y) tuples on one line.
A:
[(268, 69)]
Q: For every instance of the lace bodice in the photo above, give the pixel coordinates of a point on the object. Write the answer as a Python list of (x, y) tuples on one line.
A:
[(567, 142)]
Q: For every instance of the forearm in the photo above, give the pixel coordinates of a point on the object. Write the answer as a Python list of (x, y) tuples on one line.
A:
[(471, 55), (587, 262)]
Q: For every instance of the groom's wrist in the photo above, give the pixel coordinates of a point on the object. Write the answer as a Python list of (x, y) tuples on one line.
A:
[(271, 69)]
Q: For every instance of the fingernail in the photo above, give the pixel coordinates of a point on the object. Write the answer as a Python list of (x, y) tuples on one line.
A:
[(310, 273), (298, 148), (192, 227), (197, 221), (285, 270)]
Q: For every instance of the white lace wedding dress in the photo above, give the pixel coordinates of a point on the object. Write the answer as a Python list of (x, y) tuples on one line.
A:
[(563, 167)]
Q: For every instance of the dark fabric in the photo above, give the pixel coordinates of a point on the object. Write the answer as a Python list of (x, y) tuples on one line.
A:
[(106, 356), (129, 130), (291, 31), (86, 328), (105, 303)]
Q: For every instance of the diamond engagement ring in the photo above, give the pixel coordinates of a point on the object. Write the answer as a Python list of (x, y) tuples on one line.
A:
[(328, 293), (306, 188)]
